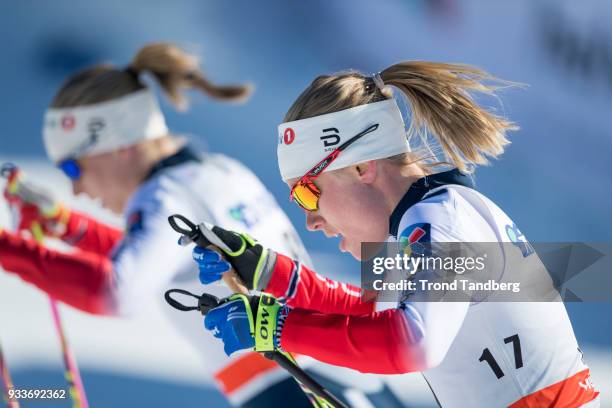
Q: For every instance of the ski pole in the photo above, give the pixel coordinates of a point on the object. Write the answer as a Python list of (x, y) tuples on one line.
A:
[(316, 393), (203, 236), (7, 382), (71, 369), (303, 378), (72, 373)]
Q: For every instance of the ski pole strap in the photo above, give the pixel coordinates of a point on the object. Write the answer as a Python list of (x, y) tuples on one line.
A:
[(265, 323), (178, 305), (206, 302)]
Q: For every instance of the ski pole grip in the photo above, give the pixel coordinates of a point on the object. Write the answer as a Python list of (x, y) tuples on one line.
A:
[(230, 278), (185, 227)]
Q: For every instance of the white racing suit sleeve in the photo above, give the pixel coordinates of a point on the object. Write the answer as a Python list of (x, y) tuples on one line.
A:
[(432, 326)]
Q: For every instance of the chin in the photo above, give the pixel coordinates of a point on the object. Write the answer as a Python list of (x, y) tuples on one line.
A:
[(116, 209), (356, 252), (112, 206)]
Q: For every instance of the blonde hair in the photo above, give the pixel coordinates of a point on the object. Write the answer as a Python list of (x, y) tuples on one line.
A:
[(439, 101), (174, 70)]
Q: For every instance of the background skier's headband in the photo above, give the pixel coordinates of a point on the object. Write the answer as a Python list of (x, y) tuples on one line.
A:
[(70, 133), (303, 143)]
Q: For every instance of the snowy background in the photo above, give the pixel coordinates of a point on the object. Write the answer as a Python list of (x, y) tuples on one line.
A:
[(555, 180)]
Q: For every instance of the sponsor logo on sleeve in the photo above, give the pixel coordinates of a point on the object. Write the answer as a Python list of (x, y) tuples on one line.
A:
[(244, 214), (518, 239), (413, 238)]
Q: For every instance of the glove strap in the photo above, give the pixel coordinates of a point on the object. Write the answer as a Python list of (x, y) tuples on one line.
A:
[(239, 251), (244, 240), (248, 308), (265, 323)]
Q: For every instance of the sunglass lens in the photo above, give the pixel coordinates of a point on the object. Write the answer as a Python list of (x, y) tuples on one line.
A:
[(307, 196), (71, 168)]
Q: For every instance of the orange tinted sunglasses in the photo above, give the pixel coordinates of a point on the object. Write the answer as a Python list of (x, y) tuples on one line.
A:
[(305, 192)]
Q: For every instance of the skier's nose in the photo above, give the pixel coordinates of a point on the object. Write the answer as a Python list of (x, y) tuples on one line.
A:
[(313, 221)]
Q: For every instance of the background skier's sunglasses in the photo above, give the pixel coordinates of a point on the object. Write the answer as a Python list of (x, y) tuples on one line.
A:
[(304, 192), (70, 166)]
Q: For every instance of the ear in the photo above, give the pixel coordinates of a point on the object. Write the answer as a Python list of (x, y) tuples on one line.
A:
[(367, 171)]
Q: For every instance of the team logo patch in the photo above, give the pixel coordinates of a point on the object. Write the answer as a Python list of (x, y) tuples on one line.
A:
[(518, 239), (413, 238), (135, 222)]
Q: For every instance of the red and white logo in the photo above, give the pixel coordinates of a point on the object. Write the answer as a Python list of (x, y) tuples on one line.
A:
[(68, 122), (416, 235), (289, 136)]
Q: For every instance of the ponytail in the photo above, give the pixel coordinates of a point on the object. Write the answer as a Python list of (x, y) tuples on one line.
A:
[(440, 101), (175, 70), (172, 68)]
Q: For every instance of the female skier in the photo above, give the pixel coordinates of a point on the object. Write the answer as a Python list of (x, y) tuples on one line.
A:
[(344, 154), (105, 130)]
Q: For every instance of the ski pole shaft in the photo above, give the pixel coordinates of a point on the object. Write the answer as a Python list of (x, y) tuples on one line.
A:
[(7, 382), (72, 374), (315, 392), (304, 378)]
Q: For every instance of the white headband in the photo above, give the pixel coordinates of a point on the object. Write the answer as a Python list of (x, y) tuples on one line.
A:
[(303, 143), (102, 127)]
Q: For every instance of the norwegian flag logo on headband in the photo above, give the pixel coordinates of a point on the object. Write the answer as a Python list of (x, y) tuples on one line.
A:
[(303, 143), (68, 122), (288, 136)]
